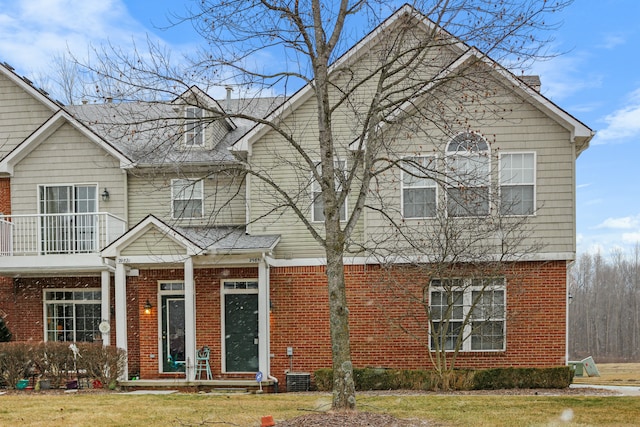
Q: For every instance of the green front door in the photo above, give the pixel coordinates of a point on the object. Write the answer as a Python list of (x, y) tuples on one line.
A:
[(241, 332)]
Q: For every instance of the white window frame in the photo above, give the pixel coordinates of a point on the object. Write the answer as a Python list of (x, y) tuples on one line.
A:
[(412, 182), (317, 203), (74, 302), (223, 293), (194, 183), (477, 159), (194, 135), (513, 178), (467, 318)]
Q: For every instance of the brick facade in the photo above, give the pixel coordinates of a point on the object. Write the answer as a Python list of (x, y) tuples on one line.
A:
[(5, 196), (535, 328)]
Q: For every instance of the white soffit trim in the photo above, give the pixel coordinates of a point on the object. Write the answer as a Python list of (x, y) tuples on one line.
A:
[(314, 262)]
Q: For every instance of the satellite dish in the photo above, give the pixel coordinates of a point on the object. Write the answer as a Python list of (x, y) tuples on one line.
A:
[(104, 327)]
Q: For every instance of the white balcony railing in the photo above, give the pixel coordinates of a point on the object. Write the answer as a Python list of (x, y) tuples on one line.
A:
[(58, 233)]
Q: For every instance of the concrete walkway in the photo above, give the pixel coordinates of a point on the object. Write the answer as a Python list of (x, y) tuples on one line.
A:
[(623, 390)]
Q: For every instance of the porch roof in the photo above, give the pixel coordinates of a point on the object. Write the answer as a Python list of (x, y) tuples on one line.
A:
[(197, 240), (228, 239)]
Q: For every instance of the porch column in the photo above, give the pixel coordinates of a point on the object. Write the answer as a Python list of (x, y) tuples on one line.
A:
[(105, 310), (189, 319), (263, 319), (121, 313)]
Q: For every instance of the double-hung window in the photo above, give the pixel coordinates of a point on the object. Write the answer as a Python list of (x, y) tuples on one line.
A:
[(187, 198), (193, 127), (468, 174), (517, 183), (468, 314), (317, 208), (72, 315), (418, 190)]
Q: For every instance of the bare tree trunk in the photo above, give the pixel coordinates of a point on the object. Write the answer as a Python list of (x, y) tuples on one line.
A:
[(344, 394)]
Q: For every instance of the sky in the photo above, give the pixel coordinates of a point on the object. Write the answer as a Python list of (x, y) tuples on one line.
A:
[(596, 79)]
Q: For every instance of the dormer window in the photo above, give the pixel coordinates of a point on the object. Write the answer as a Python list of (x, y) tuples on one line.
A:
[(193, 127)]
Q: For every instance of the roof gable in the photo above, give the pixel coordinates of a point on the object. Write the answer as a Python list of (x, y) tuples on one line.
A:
[(581, 134), (46, 130), (140, 229), (196, 241), (28, 87), (196, 97)]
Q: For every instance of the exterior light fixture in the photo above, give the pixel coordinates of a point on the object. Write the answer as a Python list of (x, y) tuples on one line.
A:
[(147, 307), (105, 195)]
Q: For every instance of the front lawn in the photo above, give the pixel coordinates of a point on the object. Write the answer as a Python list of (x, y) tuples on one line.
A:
[(116, 409)]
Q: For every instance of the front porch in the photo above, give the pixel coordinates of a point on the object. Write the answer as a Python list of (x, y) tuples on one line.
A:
[(221, 386)]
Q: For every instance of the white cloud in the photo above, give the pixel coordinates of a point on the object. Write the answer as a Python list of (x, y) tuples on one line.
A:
[(623, 223), (33, 32), (565, 75), (631, 238), (621, 233), (610, 41), (623, 123)]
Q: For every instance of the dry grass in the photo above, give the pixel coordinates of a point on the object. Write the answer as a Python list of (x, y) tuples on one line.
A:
[(624, 374), (114, 409), (30, 408)]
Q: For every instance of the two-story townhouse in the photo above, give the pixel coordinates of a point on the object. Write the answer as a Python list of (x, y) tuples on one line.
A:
[(140, 235)]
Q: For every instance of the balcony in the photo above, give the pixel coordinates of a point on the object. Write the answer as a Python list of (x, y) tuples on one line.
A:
[(78, 233)]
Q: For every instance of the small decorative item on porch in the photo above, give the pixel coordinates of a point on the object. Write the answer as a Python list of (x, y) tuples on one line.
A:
[(259, 380)]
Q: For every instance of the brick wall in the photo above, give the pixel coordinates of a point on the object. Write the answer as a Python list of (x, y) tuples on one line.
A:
[(299, 317), (22, 298), (535, 327), (5, 196)]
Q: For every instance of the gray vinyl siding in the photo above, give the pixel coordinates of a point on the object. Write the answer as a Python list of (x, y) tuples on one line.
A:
[(277, 160), (520, 128), (510, 124), (21, 115), (224, 199), (153, 242), (67, 157)]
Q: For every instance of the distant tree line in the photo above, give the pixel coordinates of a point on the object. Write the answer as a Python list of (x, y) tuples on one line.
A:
[(604, 309)]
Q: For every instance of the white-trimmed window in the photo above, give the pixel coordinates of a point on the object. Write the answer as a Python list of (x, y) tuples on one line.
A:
[(193, 127), (72, 315), (470, 310), (317, 208), (517, 183), (468, 164), (418, 190), (187, 198)]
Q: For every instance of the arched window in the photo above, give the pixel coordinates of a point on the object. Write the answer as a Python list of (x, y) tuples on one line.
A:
[(468, 175)]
